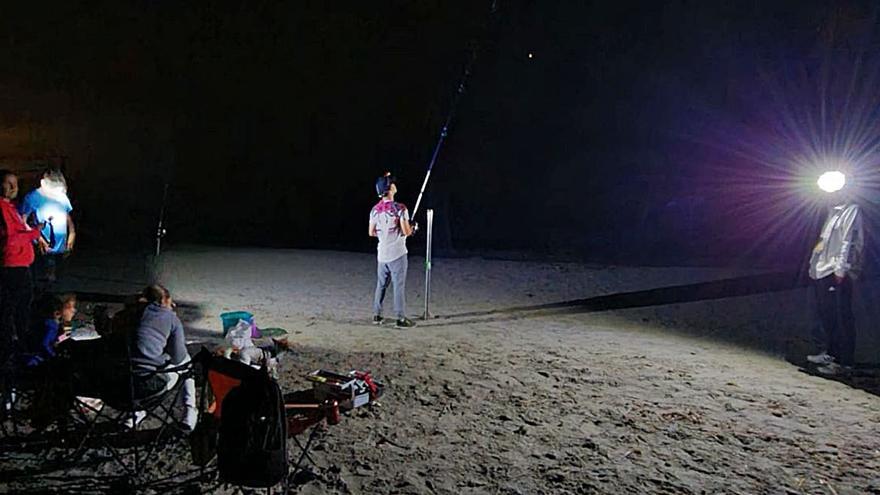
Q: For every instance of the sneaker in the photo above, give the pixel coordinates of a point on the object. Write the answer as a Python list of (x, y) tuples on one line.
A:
[(823, 358), (830, 369), (378, 320), (90, 405), (138, 418), (404, 323)]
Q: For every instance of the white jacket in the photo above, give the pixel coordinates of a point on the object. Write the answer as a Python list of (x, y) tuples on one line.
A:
[(841, 243)]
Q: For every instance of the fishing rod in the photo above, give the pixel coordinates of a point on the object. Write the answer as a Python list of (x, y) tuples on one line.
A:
[(161, 231), (445, 130)]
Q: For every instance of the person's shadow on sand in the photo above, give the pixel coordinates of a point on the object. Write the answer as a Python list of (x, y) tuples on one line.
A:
[(702, 291), (865, 377)]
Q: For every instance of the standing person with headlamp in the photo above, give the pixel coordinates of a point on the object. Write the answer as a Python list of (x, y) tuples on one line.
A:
[(49, 205), (835, 262)]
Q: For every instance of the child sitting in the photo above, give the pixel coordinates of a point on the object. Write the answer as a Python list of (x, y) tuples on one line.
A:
[(54, 314)]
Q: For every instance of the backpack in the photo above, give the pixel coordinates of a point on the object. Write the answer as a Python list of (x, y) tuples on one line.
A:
[(252, 444)]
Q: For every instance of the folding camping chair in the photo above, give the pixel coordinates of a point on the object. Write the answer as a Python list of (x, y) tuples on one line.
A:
[(36, 404), (17, 392), (37, 400), (303, 413), (306, 413), (48, 406), (35, 424), (116, 425)]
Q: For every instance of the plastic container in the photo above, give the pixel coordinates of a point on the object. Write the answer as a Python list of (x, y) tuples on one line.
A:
[(231, 318)]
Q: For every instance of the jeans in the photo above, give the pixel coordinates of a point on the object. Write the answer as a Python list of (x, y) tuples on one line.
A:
[(153, 384), (392, 272), (187, 397)]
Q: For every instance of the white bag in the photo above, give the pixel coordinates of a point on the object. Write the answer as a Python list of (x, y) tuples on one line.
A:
[(239, 336)]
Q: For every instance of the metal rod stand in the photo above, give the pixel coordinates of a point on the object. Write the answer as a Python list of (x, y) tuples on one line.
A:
[(427, 313)]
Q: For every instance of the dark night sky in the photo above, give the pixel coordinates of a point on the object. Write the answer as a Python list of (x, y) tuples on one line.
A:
[(639, 131)]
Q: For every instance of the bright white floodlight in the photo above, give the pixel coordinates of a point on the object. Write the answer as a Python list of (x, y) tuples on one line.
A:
[(832, 181)]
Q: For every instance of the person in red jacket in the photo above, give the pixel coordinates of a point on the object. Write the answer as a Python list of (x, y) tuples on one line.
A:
[(16, 292)]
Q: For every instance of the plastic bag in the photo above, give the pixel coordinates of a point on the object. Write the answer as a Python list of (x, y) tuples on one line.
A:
[(239, 336), (231, 318)]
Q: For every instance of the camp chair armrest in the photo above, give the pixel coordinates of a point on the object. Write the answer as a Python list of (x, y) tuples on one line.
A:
[(187, 366)]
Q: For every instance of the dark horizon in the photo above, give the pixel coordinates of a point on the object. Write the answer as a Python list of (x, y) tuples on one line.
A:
[(674, 132)]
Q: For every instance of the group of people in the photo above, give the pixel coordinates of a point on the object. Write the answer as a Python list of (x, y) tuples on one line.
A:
[(146, 338), (35, 236), (154, 334), (38, 230)]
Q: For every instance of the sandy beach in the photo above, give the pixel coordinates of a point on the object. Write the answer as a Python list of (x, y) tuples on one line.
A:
[(691, 397)]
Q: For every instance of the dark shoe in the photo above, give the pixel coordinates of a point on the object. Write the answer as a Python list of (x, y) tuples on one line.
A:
[(404, 323), (378, 320)]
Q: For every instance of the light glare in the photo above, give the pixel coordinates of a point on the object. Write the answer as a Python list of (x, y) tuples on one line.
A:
[(832, 181)]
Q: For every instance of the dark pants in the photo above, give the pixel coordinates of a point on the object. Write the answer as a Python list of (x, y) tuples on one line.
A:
[(836, 314), (16, 291), (45, 271), (15, 309)]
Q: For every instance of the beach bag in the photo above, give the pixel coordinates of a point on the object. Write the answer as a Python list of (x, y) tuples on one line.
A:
[(252, 444)]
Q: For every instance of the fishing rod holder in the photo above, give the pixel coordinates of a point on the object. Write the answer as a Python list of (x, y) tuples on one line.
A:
[(427, 313)]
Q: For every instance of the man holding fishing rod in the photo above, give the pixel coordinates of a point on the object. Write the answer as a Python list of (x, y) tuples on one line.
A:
[(390, 221), (390, 224)]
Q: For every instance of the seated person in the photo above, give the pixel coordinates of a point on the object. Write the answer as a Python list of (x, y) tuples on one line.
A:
[(54, 313), (98, 367), (157, 343)]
